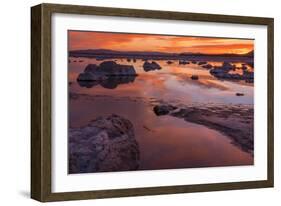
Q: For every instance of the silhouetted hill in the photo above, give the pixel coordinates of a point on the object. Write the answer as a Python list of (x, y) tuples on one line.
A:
[(105, 53)]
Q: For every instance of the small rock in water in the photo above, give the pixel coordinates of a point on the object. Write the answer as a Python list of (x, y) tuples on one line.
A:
[(169, 62), (201, 63), (151, 66), (183, 62), (194, 77), (207, 66), (163, 109), (239, 94)]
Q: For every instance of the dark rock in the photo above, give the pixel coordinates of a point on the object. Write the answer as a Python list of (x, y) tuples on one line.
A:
[(244, 67), (183, 62), (207, 66), (90, 77), (215, 71), (201, 63), (111, 68), (193, 62), (100, 58), (93, 72), (169, 62), (151, 66), (194, 77), (106, 144), (163, 109), (227, 66), (239, 94), (248, 75), (91, 68), (223, 72)]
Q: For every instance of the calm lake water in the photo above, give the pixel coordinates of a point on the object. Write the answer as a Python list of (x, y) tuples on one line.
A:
[(164, 141)]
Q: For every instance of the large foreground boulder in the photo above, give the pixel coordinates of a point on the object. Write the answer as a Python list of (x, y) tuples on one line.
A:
[(106, 144)]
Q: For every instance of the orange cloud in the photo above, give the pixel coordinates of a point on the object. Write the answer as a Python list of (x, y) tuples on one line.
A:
[(150, 42)]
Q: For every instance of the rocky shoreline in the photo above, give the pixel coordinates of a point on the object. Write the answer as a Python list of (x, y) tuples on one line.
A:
[(235, 121)]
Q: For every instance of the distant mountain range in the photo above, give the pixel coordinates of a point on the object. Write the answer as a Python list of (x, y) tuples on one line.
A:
[(145, 54)]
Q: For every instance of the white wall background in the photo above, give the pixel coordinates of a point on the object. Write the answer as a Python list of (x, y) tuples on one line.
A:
[(15, 102)]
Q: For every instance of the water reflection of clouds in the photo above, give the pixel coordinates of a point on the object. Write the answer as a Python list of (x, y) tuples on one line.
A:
[(164, 145), (172, 82), (187, 146)]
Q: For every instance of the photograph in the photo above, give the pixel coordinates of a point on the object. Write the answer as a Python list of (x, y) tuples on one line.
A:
[(156, 101)]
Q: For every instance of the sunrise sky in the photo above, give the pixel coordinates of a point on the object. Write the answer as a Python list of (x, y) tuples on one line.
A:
[(162, 43)]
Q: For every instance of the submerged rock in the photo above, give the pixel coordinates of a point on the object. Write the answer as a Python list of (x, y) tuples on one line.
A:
[(106, 144), (151, 66)]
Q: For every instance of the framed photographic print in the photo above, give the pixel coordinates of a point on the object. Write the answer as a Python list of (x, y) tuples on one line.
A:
[(130, 102)]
